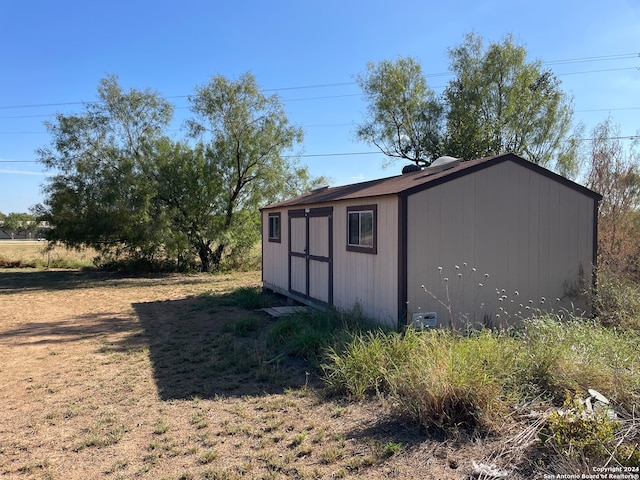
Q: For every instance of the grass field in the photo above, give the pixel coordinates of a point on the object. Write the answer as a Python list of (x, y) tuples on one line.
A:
[(179, 377), (166, 377), (39, 254)]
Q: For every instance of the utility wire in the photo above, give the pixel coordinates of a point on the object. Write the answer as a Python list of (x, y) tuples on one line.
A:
[(330, 85), (345, 154)]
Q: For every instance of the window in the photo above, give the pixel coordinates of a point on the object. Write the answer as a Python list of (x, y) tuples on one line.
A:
[(361, 229), (274, 227)]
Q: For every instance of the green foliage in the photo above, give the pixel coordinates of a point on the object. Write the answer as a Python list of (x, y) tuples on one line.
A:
[(126, 189), (437, 378), (404, 118), (576, 354), (441, 379), (616, 301), (575, 430), (309, 335), (18, 224), (246, 297), (497, 102)]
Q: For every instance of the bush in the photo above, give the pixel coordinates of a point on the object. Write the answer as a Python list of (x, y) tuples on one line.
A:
[(617, 300), (574, 354), (444, 380)]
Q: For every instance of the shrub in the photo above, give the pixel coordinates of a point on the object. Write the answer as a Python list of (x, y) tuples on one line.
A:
[(574, 354), (616, 301)]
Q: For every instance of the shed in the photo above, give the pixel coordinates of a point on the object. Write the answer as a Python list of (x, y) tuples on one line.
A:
[(484, 241)]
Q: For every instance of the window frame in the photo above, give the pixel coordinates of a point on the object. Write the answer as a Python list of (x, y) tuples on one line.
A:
[(277, 216), (373, 249)]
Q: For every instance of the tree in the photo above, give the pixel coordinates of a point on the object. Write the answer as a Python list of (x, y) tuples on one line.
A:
[(499, 102), (20, 224), (614, 172), (404, 118), (101, 195), (124, 187), (244, 134)]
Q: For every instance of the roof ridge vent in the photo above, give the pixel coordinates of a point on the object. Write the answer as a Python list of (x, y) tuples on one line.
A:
[(441, 164)]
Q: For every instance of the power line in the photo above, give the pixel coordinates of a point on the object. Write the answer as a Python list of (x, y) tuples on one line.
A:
[(339, 84), (345, 154)]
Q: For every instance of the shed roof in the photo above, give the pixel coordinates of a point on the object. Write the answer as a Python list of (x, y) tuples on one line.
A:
[(409, 183)]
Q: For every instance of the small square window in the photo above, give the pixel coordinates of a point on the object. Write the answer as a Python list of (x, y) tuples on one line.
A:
[(361, 228), (274, 227)]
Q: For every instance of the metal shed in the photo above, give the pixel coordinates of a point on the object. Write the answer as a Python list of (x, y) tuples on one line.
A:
[(483, 241)]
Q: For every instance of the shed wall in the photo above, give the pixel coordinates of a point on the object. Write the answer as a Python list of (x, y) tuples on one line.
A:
[(371, 280), (275, 255), (528, 233)]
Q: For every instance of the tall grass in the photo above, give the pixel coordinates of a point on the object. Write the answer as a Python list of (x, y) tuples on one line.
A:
[(441, 379), (310, 334)]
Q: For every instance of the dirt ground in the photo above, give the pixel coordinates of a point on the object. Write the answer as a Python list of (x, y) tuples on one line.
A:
[(105, 376)]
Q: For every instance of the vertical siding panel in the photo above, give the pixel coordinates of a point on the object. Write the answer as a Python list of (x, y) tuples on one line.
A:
[(275, 254), (371, 280)]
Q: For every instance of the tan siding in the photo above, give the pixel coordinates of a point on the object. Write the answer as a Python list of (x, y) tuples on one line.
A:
[(275, 256), (318, 241), (298, 274), (529, 233), (371, 280), (318, 280)]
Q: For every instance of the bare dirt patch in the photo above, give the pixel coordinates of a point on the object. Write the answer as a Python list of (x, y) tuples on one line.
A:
[(166, 377)]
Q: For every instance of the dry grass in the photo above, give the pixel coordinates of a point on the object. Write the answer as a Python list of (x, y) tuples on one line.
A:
[(33, 253), (159, 377)]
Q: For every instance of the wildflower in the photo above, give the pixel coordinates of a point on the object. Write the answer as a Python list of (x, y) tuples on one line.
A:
[(446, 279), (459, 275), (516, 293), (480, 285), (474, 269), (486, 275), (440, 269), (457, 267)]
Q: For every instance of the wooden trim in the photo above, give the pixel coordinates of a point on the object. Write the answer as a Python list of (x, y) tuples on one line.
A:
[(373, 250), (277, 215), (309, 213), (594, 266), (402, 262), (498, 160)]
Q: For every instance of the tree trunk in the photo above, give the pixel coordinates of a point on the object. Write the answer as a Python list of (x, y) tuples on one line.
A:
[(205, 257), (216, 256)]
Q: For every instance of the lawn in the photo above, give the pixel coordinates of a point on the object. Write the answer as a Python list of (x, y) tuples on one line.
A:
[(168, 377), (180, 377)]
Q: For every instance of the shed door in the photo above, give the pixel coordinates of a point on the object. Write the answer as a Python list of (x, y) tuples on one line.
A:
[(310, 253)]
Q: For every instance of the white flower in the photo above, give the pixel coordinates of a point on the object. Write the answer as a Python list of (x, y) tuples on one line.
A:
[(440, 268), (480, 285)]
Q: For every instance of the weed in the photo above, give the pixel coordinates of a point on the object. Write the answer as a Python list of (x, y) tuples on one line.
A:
[(161, 427), (391, 448), (247, 326), (208, 456)]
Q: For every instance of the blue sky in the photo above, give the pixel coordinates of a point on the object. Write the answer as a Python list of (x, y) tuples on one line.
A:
[(53, 55)]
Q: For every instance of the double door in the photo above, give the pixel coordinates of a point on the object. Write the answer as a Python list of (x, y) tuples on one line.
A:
[(311, 253)]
